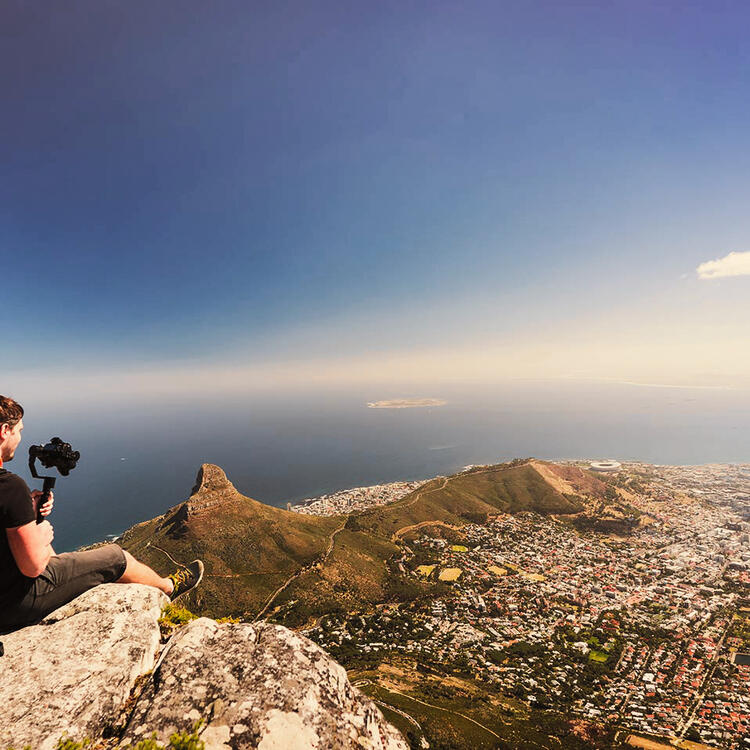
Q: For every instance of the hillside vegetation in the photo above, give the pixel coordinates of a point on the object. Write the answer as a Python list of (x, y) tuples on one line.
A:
[(471, 496), (249, 549), (262, 560)]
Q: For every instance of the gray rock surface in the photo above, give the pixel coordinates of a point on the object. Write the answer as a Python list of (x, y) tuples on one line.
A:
[(73, 672), (257, 686)]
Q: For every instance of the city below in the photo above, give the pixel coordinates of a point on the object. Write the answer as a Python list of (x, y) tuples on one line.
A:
[(638, 629)]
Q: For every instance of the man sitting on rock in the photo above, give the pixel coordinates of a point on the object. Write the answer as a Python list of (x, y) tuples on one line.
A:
[(34, 581)]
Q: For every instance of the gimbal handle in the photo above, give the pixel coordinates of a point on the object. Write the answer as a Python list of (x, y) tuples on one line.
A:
[(49, 483)]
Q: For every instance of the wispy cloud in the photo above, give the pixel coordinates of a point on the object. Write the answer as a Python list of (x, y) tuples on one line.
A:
[(734, 264)]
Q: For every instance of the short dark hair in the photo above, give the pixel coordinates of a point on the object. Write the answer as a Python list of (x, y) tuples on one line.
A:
[(11, 411)]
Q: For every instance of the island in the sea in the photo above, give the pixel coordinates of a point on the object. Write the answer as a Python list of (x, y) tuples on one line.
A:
[(406, 403)]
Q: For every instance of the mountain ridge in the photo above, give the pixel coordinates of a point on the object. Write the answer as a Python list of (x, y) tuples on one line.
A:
[(257, 555)]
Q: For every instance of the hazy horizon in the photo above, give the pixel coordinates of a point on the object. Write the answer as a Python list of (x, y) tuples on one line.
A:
[(139, 457)]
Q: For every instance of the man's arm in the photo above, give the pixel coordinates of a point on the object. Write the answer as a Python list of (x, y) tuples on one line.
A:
[(30, 546)]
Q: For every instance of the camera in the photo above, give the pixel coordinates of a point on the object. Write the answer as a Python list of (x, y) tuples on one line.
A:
[(55, 454)]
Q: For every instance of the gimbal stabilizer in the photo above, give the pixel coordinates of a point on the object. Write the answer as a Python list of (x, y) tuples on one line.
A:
[(55, 454)]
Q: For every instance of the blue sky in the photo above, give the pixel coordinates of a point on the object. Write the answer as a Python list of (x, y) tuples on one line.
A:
[(245, 192)]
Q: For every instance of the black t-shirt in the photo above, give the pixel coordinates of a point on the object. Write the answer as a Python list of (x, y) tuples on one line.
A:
[(16, 509)]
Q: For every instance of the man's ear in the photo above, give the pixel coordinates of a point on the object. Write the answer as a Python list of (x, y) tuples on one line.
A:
[(5, 430)]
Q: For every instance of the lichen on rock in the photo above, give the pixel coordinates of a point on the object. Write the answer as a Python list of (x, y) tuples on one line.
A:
[(261, 686), (249, 685), (74, 671)]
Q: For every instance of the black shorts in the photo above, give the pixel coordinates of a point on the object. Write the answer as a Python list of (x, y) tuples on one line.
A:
[(65, 577)]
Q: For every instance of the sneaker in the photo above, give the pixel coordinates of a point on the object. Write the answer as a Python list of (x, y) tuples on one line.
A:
[(186, 579)]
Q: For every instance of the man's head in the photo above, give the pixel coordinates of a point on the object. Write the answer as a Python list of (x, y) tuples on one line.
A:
[(11, 424)]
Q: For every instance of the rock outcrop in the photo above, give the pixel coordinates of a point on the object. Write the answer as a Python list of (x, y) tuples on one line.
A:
[(74, 671), (257, 686), (211, 488), (86, 671)]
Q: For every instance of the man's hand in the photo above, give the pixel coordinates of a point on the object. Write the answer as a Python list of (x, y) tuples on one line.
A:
[(45, 509)]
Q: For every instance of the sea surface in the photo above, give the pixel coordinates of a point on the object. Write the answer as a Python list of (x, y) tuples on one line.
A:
[(140, 458)]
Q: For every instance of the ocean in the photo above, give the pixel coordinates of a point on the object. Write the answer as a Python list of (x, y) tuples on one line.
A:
[(139, 458)]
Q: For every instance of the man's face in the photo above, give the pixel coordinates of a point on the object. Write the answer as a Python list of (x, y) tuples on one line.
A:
[(10, 437)]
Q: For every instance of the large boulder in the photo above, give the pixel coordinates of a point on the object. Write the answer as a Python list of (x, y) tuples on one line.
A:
[(252, 685), (257, 686), (74, 671)]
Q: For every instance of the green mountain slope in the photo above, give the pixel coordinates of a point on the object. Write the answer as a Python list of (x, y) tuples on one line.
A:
[(471, 496), (249, 549), (262, 560)]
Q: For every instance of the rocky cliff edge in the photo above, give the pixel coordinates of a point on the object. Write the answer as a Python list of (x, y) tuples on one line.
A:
[(97, 669)]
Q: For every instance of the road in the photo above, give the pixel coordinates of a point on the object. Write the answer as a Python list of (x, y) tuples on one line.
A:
[(406, 529), (320, 561), (362, 683), (420, 493), (395, 536), (636, 682), (445, 710), (690, 716)]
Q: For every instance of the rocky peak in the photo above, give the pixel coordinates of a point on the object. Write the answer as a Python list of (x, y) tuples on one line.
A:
[(211, 488), (211, 478), (96, 669)]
